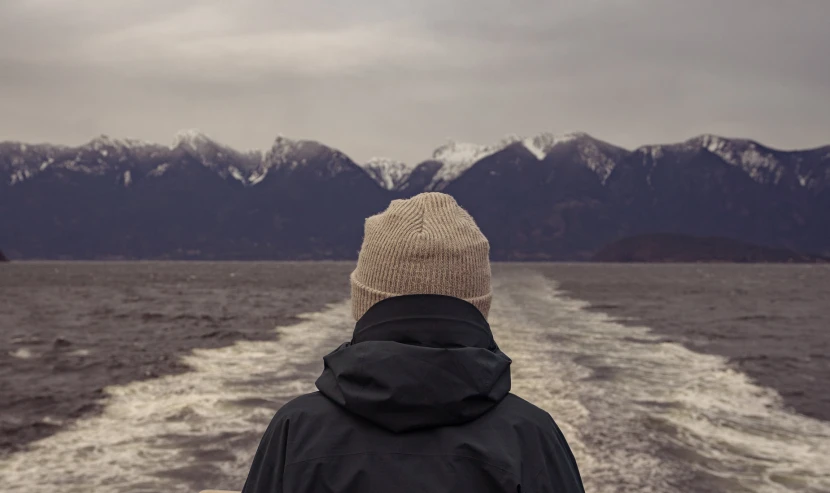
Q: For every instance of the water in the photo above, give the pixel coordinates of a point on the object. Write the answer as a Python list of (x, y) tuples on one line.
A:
[(69, 330), (771, 322), (642, 411)]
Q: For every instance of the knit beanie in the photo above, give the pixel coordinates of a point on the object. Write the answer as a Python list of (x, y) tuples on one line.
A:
[(424, 245)]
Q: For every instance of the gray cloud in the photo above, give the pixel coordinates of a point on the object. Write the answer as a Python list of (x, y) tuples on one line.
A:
[(397, 78)]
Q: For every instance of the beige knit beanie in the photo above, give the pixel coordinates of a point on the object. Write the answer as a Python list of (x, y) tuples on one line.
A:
[(424, 245)]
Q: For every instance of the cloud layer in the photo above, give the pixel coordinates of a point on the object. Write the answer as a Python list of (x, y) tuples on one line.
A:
[(393, 77)]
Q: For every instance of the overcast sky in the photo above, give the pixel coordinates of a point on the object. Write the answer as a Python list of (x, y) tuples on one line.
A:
[(398, 78)]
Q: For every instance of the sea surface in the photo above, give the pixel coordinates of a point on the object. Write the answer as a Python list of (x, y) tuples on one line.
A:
[(148, 377)]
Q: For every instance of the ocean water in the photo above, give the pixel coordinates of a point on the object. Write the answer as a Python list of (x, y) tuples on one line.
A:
[(650, 397)]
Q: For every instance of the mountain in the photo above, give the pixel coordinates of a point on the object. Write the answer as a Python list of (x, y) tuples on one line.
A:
[(685, 248), (307, 201), (689, 189), (193, 199), (3, 257), (542, 209), (544, 197)]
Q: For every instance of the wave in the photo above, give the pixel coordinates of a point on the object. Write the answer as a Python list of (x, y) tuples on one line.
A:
[(661, 418), (184, 432)]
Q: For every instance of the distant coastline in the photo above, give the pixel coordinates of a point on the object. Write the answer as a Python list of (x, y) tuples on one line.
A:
[(678, 248), (648, 248)]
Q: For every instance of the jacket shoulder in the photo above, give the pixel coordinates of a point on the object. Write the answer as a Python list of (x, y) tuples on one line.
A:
[(526, 412), (313, 404), (529, 420), (547, 446)]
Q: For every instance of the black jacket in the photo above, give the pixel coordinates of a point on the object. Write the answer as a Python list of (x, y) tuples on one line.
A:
[(418, 401)]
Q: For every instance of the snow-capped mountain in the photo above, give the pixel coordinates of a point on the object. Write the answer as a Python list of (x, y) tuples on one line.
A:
[(458, 157), (303, 156), (541, 197), (766, 165), (103, 154), (100, 156)]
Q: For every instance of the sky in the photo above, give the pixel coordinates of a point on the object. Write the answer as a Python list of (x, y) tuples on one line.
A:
[(399, 78)]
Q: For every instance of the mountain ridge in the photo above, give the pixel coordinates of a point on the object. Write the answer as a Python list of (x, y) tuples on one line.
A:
[(763, 163), (545, 197)]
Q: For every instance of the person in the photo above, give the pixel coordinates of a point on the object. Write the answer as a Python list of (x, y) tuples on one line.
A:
[(419, 400)]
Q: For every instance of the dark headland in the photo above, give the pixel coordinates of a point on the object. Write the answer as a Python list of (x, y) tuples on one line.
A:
[(684, 248), (3, 257)]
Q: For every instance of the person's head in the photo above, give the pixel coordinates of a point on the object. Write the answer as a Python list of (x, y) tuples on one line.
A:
[(424, 245)]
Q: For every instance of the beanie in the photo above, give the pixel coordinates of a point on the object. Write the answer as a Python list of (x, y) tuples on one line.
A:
[(424, 245)]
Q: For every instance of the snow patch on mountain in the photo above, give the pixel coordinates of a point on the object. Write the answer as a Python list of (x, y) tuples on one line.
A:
[(656, 152), (388, 173), (535, 149), (543, 143), (191, 137), (285, 154), (600, 157), (461, 155), (103, 143), (257, 176), (159, 170), (20, 175), (760, 163), (234, 172), (290, 155), (601, 161), (225, 161), (457, 157)]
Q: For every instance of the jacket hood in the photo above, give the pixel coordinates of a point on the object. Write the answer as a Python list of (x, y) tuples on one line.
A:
[(418, 361)]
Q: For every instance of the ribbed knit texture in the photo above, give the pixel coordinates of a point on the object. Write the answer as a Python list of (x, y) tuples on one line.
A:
[(424, 245)]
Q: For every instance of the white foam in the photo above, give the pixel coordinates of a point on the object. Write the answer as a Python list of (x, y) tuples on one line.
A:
[(654, 396), (137, 439), (22, 353)]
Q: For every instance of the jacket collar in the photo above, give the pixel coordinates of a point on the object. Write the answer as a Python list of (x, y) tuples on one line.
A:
[(425, 320)]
